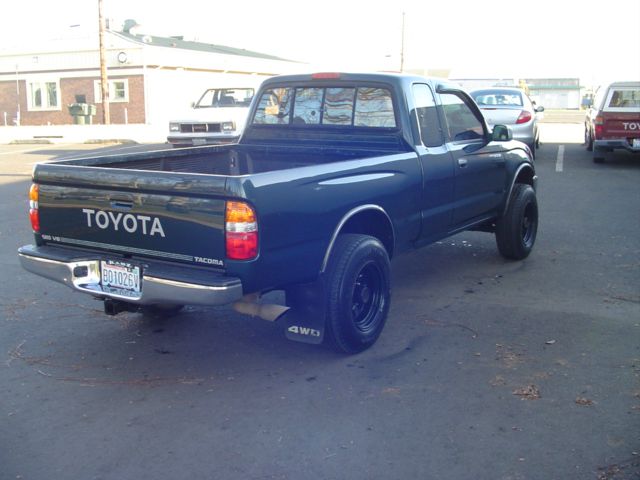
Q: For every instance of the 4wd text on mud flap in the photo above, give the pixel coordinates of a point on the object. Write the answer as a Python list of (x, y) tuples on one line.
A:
[(304, 331)]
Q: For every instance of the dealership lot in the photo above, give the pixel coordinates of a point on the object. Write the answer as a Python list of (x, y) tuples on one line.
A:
[(487, 369)]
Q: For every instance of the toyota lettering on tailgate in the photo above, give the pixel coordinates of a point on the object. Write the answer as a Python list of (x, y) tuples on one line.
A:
[(129, 222)]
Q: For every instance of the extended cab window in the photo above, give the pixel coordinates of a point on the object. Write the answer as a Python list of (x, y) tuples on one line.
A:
[(350, 106), (462, 122), (427, 115)]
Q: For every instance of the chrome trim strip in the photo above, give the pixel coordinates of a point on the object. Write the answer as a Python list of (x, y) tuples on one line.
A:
[(120, 248)]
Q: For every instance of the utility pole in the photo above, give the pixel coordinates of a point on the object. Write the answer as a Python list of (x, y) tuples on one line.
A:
[(402, 46), (17, 120), (104, 83)]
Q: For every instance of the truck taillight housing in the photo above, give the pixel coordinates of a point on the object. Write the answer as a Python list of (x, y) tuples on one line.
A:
[(241, 231), (524, 117), (33, 208), (599, 127)]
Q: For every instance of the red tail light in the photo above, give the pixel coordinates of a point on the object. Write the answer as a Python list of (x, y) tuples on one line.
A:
[(599, 124), (241, 231), (524, 117), (34, 216)]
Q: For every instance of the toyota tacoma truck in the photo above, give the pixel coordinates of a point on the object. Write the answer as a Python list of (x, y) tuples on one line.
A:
[(334, 175), (613, 121)]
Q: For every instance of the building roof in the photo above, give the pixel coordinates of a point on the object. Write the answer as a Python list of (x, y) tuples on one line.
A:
[(178, 42)]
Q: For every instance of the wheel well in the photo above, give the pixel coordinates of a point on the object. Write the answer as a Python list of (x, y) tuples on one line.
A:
[(374, 223), (525, 176)]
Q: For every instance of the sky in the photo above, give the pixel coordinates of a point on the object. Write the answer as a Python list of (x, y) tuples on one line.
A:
[(595, 40)]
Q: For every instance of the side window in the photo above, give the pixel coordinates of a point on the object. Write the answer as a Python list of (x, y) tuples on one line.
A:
[(462, 123), (374, 108), (427, 115), (274, 107)]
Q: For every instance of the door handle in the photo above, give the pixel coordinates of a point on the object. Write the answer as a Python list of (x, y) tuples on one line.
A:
[(462, 162)]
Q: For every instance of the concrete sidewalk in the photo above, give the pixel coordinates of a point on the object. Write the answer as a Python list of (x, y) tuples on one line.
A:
[(45, 134)]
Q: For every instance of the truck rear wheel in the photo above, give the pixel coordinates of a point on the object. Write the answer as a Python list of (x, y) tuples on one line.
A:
[(588, 139), (358, 286), (516, 230)]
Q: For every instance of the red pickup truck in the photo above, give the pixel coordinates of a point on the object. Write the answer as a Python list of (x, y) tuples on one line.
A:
[(613, 121)]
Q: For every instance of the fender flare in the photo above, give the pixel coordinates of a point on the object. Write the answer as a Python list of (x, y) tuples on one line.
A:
[(350, 214), (534, 181)]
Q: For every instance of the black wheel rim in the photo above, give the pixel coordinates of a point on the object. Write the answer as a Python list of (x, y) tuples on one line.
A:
[(529, 224), (368, 298)]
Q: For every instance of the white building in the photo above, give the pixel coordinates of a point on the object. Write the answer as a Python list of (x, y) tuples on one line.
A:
[(150, 77)]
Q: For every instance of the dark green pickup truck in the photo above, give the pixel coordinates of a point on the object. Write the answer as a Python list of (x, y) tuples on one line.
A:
[(334, 175)]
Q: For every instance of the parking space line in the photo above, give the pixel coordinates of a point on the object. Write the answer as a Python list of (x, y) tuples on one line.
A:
[(560, 159)]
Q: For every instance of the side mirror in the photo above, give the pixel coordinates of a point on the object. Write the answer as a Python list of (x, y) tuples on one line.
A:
[(539, 109), (502, 133)]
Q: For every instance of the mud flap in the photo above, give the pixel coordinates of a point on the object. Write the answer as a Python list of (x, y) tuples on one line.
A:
[(305, 321)]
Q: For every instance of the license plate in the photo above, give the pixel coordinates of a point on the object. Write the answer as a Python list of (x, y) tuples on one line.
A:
[(636, 143), (199, 141), (120, 277)]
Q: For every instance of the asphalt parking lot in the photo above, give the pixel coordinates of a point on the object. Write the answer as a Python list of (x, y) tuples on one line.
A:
[(487, 369)]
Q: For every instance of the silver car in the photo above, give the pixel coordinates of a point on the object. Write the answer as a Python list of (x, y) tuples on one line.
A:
[(512, 107)]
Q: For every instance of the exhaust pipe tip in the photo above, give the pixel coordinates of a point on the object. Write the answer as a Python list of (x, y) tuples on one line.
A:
[(249, 305)]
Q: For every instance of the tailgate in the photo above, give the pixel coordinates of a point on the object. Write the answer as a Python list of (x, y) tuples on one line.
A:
[(184, 222), (621, 125)]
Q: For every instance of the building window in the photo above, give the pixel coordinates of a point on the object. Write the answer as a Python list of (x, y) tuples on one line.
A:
[(118, 91), (43, 95)]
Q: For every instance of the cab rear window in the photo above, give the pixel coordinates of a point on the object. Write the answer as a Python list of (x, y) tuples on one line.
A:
[(341, 106), (627, 98)]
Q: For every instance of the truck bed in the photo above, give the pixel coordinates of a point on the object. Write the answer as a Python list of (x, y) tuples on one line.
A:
[(267, 152)]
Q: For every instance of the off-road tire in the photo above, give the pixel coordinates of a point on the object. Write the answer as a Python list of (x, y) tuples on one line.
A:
[(516, 230), (358, 292)]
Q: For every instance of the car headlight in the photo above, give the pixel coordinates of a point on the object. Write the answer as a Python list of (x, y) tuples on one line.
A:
[(174, 127), (228, 126)]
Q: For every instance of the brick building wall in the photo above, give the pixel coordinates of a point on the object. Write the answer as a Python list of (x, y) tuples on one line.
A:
[(69, 89), (9, 101)]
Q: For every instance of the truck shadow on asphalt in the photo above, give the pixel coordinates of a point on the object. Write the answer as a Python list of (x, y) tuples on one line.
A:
[(206, 346)]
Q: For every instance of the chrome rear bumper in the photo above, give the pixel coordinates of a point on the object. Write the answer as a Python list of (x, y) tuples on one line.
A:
[(161, 283)]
